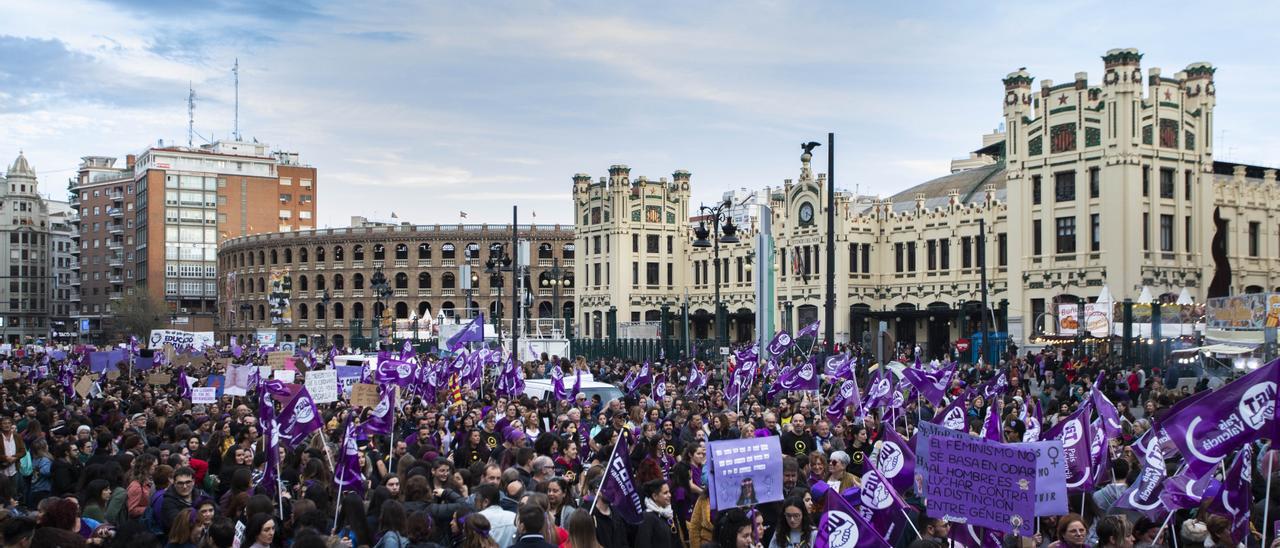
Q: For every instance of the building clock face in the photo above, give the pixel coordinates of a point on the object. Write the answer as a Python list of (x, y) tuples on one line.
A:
[(806, 213)]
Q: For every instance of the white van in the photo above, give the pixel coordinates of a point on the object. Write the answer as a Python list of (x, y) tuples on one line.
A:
[(541, 388)]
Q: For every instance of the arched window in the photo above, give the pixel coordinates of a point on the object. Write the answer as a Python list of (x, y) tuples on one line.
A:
[(302, 311), (357, 281), (357, 253), (241, 261), (319, 282), (319, 311), (424, 251), (275, 257), (495, 249), (262, 312), (424, 280), (378, 308), (302, 282), (402, 252), (402, 280), (446, 251), (447, 309), (545, 310), (337, 254), (262, 258), (288, 255), (357, 311), (242, 285), (262, 285), (544, 251), (302, 254), (402, 310), (319, 254), (566, 252), (447, 281), (472, 251), (379, 252), (424, 309), (338, 282), (338, 311)]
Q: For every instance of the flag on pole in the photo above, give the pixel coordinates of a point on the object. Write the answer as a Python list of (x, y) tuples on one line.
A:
[(299, 419), (473, 332), (843, 527), (619, 487), (348, 474)]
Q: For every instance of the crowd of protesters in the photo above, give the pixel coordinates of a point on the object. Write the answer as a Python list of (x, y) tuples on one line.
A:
[(133, 463)]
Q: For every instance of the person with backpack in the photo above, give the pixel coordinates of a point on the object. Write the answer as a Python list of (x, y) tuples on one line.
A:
[(141, 488)]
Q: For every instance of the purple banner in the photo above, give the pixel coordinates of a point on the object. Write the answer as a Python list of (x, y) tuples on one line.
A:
[(781, 343), (1051, 477), (799, 377), (1236, 496), (895, 459), (473, 332), (619, 487), (842, 527), (1206, 430), (1074, 432), (745, 472), (299, 419), (978, 482)]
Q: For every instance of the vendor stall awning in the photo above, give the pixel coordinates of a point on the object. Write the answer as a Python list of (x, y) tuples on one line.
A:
[(1232, 349), (1234, 337)]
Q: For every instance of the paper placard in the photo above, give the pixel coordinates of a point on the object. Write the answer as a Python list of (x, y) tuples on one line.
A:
[(11, 375), (204, 394), (284, 375), (159, 379), (276, 360), (113, 374), (364, 395), (84, 385), (323, 385)]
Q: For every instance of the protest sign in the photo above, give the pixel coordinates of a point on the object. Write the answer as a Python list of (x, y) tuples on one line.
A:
[(348, 375), (11, 375), (113, 374), (364, 395), (159, 379), (217, 381), (975, 481), (237, 381), (323, 386), (745, 472), (84, 385), (1051, 477), (276, 360), (291, 363), (284, 375), (204, 394), (180, 339)]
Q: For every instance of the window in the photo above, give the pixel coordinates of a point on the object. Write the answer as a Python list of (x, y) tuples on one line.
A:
[(1002, 249), (651, 274), (1066, 234), (1166, 233), (596, 274), (1187, 228), (1166, 183), (651, 243), (866, 258), (1095, 182), (595, 245), (944, 253), (671, 243), (635, 273), (1255, 237), (911, 256), (1146, 232), (671, 275), (897, 257), (1095, 235), (1037, 247), (1064, 186), (1035, 190), (966, 252), (932, 254), (1146, 181), (1186, 185), (635, 243), (853, 258)]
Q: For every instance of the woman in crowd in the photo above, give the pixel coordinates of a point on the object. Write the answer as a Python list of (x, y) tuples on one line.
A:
[(658, 530)]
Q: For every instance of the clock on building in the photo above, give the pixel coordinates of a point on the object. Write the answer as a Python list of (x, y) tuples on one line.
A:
[(806, 213)]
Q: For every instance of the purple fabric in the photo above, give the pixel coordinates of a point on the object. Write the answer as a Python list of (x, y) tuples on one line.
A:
[(839, 366), (619, 488), (995, 386), (1206, 430), (391, 371), (347, 474), (841, 526), (697, 381), (1183, 491), (1234, 500), (880, 504), (781, 343), (895, 459), (931, 384), (645, 376), (1034, 422), (1074, 431), (383, 416), (577, 383), (991, 427), (271, 437), (879, 390), (660, 387), (810, 330), (955, 415), (803, 376), (845, 398), (557, 383), (299, 419), (1108, 412), (473, 332)]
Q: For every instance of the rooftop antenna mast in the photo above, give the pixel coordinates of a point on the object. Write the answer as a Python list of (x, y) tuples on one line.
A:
[(236, 71), (191, 113)]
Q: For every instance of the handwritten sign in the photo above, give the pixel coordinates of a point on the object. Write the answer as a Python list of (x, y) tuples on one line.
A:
[(323, 386), (1051, 477), (276, 360), (180, 339), (159, 379), (745, 472), (204, 394), (364, 395), (284, 375), (978, 482)]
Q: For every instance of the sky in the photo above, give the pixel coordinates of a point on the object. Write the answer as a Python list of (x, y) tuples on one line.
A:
[(426, 109)]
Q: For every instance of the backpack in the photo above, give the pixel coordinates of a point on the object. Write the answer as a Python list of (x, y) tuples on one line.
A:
[(151, 516)]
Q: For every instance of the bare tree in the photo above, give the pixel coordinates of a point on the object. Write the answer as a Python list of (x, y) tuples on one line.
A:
[(136, 314)]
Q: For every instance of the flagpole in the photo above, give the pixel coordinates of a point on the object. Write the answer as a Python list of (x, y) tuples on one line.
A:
[(1166, 524), (607, 462), (1266, 508)]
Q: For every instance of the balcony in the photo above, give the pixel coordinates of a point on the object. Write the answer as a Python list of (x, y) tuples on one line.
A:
[(115, 229), (115, 278), (358, 293), (424, 262), (115, 261), (115, 195), (424, 292), (378, 263), (75, 265), (116, 295), (115, 245), (115, 212), (402, 292), (448, 293), (402, 263)]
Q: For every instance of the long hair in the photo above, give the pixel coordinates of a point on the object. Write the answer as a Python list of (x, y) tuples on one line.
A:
[(582, 529), (784, 527), (475, 532), (183, 529), (353, 518), (140, 469), (392, 517)]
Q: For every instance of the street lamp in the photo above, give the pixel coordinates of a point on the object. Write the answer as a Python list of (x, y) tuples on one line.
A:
[(556, 278), (726, 233), (497, 263), (381, 291), (324, 301)]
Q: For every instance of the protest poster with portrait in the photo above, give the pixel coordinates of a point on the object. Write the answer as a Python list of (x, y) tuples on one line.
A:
[(745, 472)]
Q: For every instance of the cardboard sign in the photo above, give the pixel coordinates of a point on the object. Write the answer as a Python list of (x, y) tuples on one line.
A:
[(323, 386), (276, 360), (84, 385), (204, 394), (11, 375), (284, 375), (113, 374), (159, 379), (364, 394)]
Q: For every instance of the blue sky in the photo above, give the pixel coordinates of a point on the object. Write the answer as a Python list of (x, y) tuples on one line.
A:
[(426, 109)]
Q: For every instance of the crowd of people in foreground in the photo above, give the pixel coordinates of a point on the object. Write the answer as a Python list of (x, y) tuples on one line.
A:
[(137, 464)]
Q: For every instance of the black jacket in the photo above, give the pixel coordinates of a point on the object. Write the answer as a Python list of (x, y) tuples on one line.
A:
[(655, 532), (532, 541), (611, 531)]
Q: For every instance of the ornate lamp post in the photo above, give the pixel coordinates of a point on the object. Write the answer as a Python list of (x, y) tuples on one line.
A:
[(556, 278), (324, 301), (381, 291), (726, 233), (496, 264)]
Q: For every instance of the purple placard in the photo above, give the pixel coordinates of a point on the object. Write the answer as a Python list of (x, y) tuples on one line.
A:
[(978, 482), (745, 472), (1051, 477)]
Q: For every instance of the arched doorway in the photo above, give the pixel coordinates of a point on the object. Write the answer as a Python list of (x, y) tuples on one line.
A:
[(938, 332), (905, 324)]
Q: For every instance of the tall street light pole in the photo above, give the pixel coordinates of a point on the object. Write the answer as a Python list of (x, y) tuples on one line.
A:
[(717, 214), (831, 244)]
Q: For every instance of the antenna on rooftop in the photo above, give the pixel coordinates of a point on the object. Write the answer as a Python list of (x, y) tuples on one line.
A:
[(236, 71), (191, 113)]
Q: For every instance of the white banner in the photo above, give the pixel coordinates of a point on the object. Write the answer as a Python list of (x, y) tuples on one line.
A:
[(180, 339), (266, 337), (323, 385), (284, 375), (204, 394)]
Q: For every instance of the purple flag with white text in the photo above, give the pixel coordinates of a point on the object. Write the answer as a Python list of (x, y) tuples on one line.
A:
[(846, 397), (347, 473), (931, 384), (1236, 496), (473, 332), (1207, 429), (895, 459), (619, 488), (841, 526), (1074, 431), (299, 419)]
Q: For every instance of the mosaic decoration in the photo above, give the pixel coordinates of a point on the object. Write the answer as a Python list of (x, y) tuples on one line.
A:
[(1062, 138), (1168, 133), (1092, 136), (1034, 146)]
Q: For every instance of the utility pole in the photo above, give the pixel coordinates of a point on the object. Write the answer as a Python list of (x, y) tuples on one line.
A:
[(515, 284), (235, 70), (831, 244), (982, 269)]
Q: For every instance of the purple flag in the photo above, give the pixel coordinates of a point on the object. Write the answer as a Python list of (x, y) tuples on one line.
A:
[(697, 381), (347, 473), (995, 386), (781, 343), (1206, 430), (383, 416), (931, 384), (1235, 498), (1183, 491), (839, 366), (1144, 494), (271, 440), (394, 372), (845, 398), (880, 504), (473, 332), (577, 383), (299, 419), (660, 387), (991, 427), (843, 527), (645, 376), (619, 487), (1034, 422), (895, 459), (878, 393), (810, 330), (184, 383), (406, 351), (1108, 412), (955, 415), (1074, 431), (557, 383), (235, 348), (803, 376)]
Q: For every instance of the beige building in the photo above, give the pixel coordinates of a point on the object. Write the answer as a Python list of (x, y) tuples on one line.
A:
[(1091, 186)]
